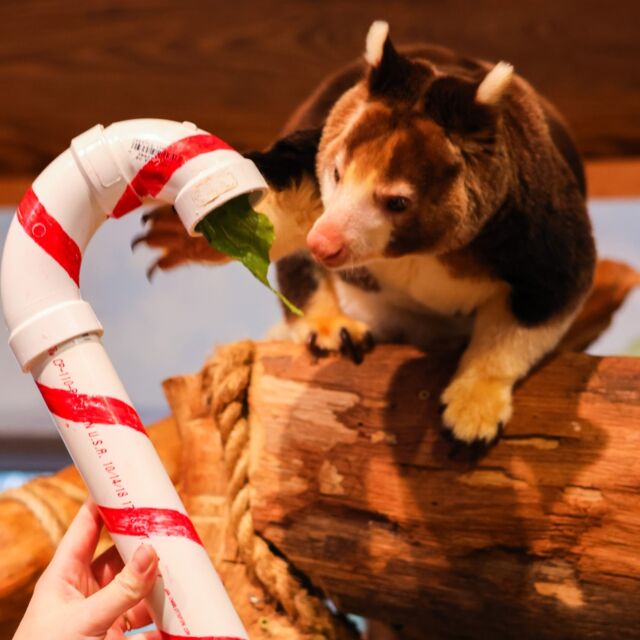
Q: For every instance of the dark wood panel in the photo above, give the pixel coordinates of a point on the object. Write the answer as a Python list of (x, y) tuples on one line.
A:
[(606, 178), (238, 68)]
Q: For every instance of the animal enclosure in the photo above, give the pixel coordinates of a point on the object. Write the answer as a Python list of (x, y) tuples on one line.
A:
[(319, 479)]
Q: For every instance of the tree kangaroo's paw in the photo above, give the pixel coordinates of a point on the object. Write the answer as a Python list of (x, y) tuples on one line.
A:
[(165, 232), (333, 334), (475, 409)]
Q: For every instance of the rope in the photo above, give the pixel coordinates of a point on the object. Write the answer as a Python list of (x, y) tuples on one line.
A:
[(229, 377), (36, 497)]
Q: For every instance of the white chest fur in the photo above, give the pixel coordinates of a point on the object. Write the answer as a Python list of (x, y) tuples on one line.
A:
[(417, 300), (424, 283)]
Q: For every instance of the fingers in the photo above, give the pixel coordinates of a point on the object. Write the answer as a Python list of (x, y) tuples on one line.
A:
[(136, 618), (125, 591), (106, 566), (80, 541), (139, 616)]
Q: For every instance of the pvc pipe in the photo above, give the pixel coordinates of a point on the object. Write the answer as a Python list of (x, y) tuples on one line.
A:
[(54, 334)]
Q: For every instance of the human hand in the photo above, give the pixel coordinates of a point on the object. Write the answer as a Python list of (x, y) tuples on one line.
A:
[(77, 599)]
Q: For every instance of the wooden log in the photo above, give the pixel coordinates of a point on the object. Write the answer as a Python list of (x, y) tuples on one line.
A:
[(352, 483), (26, 546)]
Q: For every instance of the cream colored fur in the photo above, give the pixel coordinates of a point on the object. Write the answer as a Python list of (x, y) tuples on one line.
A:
[(495, 83), (424, 310), (292, 213), (422, 282), (419, 302), (324, 317), (501, 351), (376, 38), (349, 205)]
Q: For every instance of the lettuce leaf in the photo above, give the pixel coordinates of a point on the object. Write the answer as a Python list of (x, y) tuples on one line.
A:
[(244, 235)]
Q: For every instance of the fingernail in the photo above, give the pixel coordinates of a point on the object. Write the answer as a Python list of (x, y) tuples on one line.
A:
[(143, 558)]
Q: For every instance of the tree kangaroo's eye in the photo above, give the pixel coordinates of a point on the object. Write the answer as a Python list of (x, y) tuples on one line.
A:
[(396, 204), (336, 175)]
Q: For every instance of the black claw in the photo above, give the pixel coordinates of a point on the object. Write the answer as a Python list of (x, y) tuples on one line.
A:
[(466, 451), (447, 434), (456, 448), (368, 342), (348, 347), (137, 240), (478, 449), (151, 271), (312, 345), (346, 344)]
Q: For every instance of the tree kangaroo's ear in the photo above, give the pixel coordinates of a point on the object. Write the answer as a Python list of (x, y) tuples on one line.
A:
[(289, 160), (390, 74), (469, 111)]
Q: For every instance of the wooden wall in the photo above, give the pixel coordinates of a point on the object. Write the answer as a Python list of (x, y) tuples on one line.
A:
[(238, 68)]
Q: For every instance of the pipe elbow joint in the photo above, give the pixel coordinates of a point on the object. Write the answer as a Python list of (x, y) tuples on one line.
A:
[(106, 172), (203, 171)]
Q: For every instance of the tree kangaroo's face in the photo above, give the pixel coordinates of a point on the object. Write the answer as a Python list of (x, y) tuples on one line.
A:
[(392, 165), (391, 184)]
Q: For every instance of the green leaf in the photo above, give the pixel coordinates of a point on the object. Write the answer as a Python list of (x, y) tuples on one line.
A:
[(244, 235)]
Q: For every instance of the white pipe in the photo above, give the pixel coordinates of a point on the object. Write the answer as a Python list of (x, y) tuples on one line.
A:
[(54, 335)]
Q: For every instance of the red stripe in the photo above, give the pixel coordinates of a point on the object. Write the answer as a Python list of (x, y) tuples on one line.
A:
[(95, 409), (128, 202), (159, 169), (147, 521), (169, 636), (46, 231)]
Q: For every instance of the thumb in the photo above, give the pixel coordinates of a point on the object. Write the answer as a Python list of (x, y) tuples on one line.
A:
[(128, 588)]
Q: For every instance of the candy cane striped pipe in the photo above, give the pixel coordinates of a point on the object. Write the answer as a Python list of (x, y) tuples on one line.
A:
[(55, 336)]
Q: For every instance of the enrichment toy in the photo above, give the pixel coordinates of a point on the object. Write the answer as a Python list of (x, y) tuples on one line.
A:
[(55, 335)]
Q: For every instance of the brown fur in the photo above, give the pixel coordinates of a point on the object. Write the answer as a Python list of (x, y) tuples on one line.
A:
[(360, 277), (298, 279), (446, 186), (500, 189)]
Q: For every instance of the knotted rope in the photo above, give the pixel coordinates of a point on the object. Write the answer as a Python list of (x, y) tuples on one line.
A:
[(226, 383)]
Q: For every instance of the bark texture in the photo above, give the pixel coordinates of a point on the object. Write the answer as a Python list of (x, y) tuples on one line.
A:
[(351, 481)]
